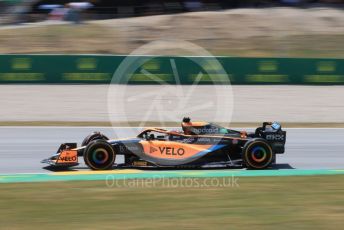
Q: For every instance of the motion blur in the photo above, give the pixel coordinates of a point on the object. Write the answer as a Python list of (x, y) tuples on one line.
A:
[(95, 74)]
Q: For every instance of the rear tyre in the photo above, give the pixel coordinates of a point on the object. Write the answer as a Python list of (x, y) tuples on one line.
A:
[(99, 155), (93, 136), (257, 154)]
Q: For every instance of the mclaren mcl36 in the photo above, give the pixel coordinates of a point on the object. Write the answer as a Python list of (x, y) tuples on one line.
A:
[(197, 145)]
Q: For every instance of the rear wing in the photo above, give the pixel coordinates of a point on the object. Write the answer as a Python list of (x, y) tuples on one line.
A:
[(273, 133)]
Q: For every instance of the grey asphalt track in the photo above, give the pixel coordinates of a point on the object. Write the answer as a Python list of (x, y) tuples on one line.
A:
[(22, 148), (284, 103)]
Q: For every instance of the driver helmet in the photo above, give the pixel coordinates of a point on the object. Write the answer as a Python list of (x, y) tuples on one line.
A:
[(187, 126)]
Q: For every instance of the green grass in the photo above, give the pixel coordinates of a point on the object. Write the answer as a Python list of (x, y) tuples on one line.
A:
[(313, 202)]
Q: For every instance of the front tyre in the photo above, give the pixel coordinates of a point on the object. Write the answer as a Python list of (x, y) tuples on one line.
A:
[(257, 154), (99, 155), (94, 136)]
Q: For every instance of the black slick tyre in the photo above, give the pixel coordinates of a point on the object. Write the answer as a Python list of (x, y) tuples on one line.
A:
[(99, 155), (257, 154)]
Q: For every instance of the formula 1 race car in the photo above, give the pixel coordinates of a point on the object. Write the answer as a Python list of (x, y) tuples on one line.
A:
[(200, 144)]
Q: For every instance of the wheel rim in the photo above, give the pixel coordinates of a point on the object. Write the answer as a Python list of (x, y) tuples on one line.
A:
[(100, 156), (259, 154)]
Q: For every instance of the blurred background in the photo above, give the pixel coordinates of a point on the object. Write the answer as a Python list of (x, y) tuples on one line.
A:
[(257, 28), (281, 60), (38, 10), (261, 42)]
